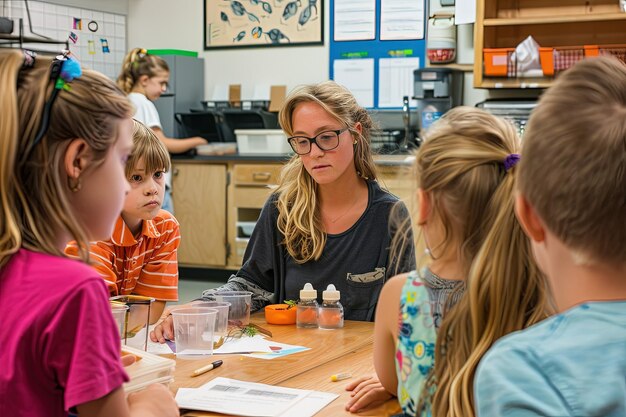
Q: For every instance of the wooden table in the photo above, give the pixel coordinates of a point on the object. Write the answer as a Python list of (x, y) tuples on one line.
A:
[(332, 351)]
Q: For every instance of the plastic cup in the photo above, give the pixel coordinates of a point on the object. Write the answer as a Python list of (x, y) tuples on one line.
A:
[(240, 303), (221, 321), (119, 314), (193, 331), (137, 320)]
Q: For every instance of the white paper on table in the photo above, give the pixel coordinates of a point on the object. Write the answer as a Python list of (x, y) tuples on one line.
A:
[(395, 80), (278, 350), (357, 75), (311, 404), (230, 396), (255, 343), (401, 19), (464, 11), (355, 20)]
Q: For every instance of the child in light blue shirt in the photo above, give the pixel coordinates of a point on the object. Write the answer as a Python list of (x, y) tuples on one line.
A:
[(572, 204)]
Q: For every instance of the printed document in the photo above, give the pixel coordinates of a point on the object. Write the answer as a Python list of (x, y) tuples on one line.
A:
[(230, 396)]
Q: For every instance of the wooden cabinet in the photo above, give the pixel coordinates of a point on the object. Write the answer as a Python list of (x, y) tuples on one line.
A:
[(199, 194), (552, 23), (251, 186)]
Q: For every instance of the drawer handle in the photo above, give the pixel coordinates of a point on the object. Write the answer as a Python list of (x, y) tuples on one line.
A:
[(261, 176)]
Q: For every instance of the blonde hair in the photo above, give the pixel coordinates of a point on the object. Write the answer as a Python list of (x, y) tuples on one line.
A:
[(299, 219), (147, 147), (461, 165), (90, 110), (136, 63), (574, 169)]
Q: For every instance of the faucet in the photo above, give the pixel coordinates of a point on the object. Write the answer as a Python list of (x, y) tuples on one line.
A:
[(406, 118)]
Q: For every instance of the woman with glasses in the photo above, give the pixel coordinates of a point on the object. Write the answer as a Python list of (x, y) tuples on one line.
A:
[(328, 220)]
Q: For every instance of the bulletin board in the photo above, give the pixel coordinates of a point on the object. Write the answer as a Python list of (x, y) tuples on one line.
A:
[(97, 39), (374, 47), (260, 23)]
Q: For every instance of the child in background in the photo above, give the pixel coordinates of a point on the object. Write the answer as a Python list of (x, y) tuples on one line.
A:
[(144, 78), (480, 285), (141, 255), (572, 204), (64, 140)]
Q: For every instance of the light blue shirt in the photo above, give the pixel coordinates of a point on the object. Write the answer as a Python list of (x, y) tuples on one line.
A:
[(572, 364)]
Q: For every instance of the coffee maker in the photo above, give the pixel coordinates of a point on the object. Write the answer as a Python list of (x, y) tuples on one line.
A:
[(436, 90)]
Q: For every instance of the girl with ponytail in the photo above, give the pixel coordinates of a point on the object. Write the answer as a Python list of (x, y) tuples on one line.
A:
[(144, 78), (481, 282)]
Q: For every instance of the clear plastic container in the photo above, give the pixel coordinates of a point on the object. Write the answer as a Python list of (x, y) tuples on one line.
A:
[(148, 369), (331, 310), (307, 308)]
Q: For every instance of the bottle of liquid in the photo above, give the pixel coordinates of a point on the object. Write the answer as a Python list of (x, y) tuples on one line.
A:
[(331, 311), (307, 308)]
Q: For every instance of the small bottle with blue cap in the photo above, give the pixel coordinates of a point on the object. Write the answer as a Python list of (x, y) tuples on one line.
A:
[(307, 308)]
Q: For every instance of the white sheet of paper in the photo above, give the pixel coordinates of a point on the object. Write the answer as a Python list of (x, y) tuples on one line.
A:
[(395, 80), (401, 19), (355, 20), (311, 404), (230, 396), (464, 11), (357, 75), (285, 350)]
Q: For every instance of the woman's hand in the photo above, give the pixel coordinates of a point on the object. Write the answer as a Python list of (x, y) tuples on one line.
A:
[(367, 391), (163, 330)]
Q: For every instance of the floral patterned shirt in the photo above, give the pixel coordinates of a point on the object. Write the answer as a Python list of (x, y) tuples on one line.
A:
[(422, 304)]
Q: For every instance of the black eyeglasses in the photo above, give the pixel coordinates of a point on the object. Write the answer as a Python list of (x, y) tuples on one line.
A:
[(326, 141)]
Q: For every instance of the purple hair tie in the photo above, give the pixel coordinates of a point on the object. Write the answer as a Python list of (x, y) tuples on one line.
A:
[(510, 161)]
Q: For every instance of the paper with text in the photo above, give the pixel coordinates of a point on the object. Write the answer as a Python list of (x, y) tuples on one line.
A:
[(230, 396), (357, 75), (355, 20)]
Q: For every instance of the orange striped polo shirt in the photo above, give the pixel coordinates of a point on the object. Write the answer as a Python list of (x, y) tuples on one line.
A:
[(146, 265)]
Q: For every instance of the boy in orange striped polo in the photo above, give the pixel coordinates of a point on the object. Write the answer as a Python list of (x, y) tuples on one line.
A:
[(141, 256)]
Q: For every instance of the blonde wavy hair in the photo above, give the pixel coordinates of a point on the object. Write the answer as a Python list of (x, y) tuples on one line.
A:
[(34, 193), (461, 165), (136, 63), (299, 219)]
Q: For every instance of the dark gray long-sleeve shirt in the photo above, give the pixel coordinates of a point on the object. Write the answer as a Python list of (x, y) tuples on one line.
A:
[(355, 261)]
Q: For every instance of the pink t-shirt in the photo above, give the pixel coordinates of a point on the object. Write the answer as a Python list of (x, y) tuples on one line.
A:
[(60, 345)]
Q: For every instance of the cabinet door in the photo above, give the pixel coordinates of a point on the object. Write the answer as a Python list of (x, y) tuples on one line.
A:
[(199, 193)]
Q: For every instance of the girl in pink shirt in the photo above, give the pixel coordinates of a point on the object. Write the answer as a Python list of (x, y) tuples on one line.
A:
[(64, 139)]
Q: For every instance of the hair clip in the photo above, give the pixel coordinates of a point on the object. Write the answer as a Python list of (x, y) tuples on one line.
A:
[(510, 161), (64, 69), (142, 53), (29, 59)]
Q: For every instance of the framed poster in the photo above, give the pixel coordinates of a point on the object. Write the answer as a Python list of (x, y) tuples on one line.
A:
[(261, 23)]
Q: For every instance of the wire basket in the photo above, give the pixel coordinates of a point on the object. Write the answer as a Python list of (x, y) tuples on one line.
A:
[(618, 51)]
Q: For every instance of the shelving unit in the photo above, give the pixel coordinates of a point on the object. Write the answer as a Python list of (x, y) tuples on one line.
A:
[(506, 23)]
